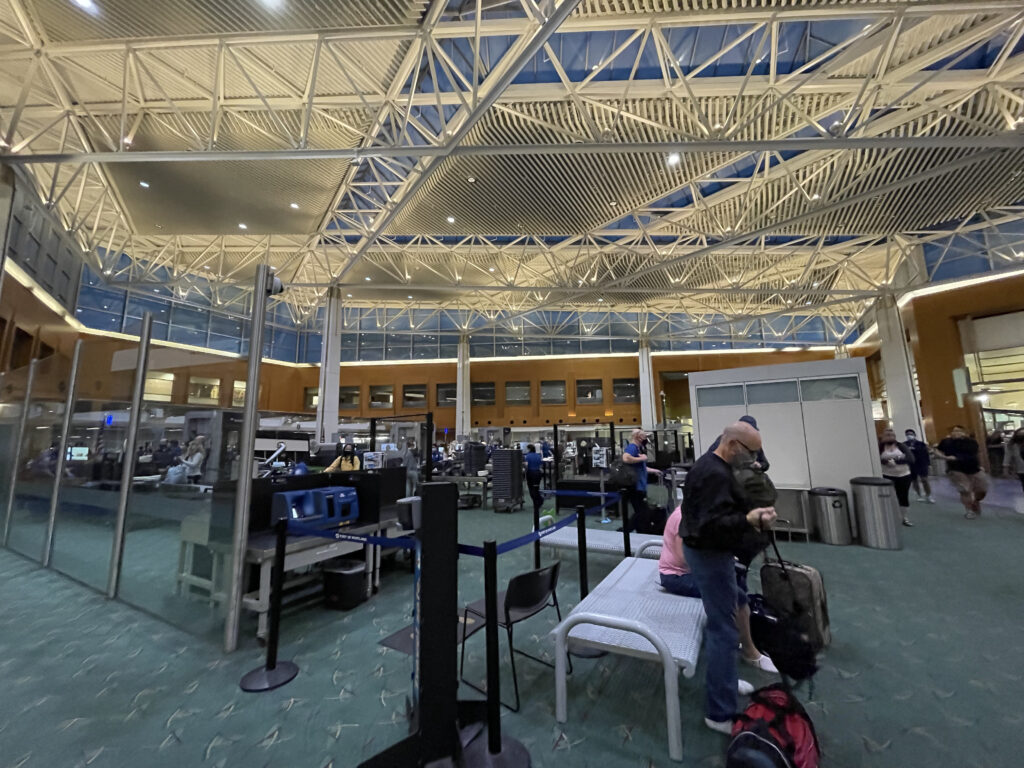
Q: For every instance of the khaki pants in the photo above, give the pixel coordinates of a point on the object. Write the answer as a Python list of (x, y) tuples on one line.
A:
[(972, 488)]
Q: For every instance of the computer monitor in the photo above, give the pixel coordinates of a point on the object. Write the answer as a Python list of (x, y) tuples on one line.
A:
[(78, 453)]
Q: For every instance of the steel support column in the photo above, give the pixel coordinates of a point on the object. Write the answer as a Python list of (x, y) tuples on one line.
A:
[(648, 398), (62, 454), (330, 370), (904, 409), (462, 392)]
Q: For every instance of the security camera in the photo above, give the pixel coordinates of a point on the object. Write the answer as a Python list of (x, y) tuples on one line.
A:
[(275, 287)]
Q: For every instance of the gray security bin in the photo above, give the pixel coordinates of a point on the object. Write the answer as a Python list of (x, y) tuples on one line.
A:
[(830, 515), (876, 513)]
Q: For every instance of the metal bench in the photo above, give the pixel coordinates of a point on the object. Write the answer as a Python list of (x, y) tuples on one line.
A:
[(630, 614), (600, 541)]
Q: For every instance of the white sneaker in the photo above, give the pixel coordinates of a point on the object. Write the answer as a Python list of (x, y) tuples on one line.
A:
[(922, 499), (722, 726), (763, 663), (931, 499), (743, 688)]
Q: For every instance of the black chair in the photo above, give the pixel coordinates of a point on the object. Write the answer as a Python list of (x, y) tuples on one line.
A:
[(527, 595)]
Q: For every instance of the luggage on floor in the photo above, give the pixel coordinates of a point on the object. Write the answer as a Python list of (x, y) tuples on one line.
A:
[(798, 592), (784, 639), (774, 731)]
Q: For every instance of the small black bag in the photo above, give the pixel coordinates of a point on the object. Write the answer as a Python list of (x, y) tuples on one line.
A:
[(621, 475)]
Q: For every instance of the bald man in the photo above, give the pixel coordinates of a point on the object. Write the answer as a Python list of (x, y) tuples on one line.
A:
[(714, 518)]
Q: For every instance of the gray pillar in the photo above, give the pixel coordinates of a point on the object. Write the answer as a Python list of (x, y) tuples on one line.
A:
[(330, 370), (8, 510), (247, 451), (462, 390), (897, 363), (65, 446), (648, 398)]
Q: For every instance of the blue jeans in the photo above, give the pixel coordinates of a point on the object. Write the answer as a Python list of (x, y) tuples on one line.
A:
[(685, 585), (715, 575)]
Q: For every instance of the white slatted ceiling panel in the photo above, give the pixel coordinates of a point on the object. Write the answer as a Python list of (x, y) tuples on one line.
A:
[(566, 194), (64, 21), (597, 8)]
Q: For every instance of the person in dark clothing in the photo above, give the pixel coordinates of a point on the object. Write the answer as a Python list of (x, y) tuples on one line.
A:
[(960, 451), (715, 516), (760, 460), (534, 472), (635, 454), (919, 468), (1013, 458)]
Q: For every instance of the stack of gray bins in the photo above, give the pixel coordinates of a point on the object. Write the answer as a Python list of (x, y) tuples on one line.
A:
[(507, 479), (474, 458)]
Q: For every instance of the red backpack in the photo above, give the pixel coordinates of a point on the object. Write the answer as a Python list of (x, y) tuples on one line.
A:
[(774, 731)]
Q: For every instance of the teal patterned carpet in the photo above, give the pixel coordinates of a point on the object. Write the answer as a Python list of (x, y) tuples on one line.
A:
[(923, 671)]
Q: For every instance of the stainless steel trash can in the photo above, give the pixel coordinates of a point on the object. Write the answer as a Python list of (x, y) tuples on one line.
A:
[(830, 515), (878, 518)]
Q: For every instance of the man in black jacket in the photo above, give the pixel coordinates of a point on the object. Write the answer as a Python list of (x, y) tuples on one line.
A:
[(715, 517)]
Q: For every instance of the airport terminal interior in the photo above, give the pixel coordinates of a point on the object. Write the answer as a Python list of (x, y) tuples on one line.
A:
[(346, 346)]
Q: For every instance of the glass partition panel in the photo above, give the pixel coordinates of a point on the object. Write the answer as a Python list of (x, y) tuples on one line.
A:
[(772, 392), (837, 388), (12, 399), (731, 394), (179, 527), (37, 462), (87, 504)]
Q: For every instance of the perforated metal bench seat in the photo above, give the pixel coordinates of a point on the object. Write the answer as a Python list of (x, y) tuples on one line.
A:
[(630, 614), (600, 541)]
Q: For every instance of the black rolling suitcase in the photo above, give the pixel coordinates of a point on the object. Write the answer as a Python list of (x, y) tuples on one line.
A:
[(797, 591)]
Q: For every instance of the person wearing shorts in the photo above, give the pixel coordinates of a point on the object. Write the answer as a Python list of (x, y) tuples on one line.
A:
[(960, 451)]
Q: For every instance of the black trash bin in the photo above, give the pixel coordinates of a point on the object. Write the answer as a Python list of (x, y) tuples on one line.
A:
[(345, 584)]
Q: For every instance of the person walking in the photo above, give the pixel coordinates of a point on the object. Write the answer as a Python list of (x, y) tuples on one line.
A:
[(897, 461), (534, 473), (713, 521), (920, 466), (635, 454), (1013, 458), (960, 451)]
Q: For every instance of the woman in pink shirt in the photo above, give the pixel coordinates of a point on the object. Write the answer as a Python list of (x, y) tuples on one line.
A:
[(676, 578)]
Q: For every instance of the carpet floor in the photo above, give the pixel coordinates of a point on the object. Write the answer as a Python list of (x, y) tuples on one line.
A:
[(921, 671)]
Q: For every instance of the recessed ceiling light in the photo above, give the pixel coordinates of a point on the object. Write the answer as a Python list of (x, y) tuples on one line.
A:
[(348, 295), (490, 269), (593, 68), (613, 202), (366, 279), (600, 299), (206, 266), (242, 226), (717, 126), (408, 297), (451, 219), (107, 271), (127, 141), (673, 159), (87, 5), (156, 290), (815, 196), (144, 184), (471, 179), (293, 205)]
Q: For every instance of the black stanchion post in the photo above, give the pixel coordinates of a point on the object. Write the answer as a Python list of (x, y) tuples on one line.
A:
[(373, 435), (493, 675), (536, 544), (624, 516), (558, 458), (273, 675), (581, 542), (428, 450)]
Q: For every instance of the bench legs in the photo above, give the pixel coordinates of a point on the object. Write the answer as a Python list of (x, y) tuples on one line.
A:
[(675, 728)]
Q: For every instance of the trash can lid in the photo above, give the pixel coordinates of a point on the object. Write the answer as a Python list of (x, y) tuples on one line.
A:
[(827, 492), (870, 481)]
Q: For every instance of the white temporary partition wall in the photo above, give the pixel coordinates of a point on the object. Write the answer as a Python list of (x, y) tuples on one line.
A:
[(815, 418)]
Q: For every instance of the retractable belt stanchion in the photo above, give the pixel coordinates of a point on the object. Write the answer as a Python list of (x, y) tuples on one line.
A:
[(581, 544), (273, 674), (536, 527), (491, 629), (624, 517)]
